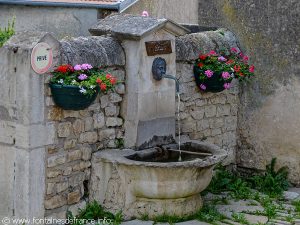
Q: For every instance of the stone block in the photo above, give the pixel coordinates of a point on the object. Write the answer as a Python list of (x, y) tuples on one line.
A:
[(230, 123), (210, 111), (99, 120), (75, 209), (70, 114), (216, 123), (111, 110), (107, 134), (64, 129), (188, 126), (219, 99), (223, 110), (74, 197), (198, 115), (7, 132), (62, 186), (67, 171), (50, 188), (70, 144), (114, 122), (104, 101), (88, 123), (202, 125), (55, 202), (56, 160), (86, 152), (53, 173), (88, 137), (74, 155), (55, 113), (76, 179), (78, 126), (120, 89), (114, 97)]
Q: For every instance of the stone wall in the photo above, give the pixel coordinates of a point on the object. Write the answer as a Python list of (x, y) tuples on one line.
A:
[(177, 10), (268, 118), (211, 117), (61, 21), (79, 133)]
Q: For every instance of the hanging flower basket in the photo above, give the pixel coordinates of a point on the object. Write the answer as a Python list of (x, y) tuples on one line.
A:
[(69, 97), (75, 88), (214, 84), (214, 72)]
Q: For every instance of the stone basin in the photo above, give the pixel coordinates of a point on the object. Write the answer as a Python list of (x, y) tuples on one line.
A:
[(153, 181)]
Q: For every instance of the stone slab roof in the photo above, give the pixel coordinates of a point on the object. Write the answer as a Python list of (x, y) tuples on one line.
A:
[(105, 4), (134, 27)]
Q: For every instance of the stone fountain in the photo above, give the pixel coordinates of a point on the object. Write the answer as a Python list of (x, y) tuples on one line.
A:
[(146, 178)]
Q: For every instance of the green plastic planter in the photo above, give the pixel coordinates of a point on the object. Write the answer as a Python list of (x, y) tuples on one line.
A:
[(68, 97), (213, 84)]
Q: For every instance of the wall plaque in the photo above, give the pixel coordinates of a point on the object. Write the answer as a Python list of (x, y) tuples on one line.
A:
[(41, 58), (158, 47)]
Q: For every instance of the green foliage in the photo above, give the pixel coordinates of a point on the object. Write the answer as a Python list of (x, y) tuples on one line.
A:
[(7, 32), (119, 142), (209, 214), (240, 218), (94, 211), (297, 205), (272, 182)]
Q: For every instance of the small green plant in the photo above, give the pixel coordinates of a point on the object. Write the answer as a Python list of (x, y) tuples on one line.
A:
[(209, 214), (297, 206), (240, 218), (93, 211), (119, 142), (272, 182), (7, 32)]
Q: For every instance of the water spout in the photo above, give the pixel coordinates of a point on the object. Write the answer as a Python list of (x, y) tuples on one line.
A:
[(172, 78)]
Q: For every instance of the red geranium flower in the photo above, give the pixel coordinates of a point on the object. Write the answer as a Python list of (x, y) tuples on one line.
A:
[(113, 80), (98, 81), (200, 65), (229, 62), (202, 57), (108, 76), (103, 86), (237, 68)]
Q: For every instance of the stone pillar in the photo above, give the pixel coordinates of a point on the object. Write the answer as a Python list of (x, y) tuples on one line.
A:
[(149, 105), (22, 107)]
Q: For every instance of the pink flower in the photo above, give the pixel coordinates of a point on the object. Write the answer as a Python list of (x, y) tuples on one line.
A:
[(202, 87), (227, 85), (225, 75), (145, 13), (82, 76), (86, 66), (245, 58), (241, 54), (77, 67), (212, 52), (234, 50), (251, 69), (209, 73), (222, 59)]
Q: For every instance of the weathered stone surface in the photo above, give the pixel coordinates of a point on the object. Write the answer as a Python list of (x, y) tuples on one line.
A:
[(99, 120), (120, 89), (88, 123), (111, 110), (55, 202), (133, 27), (88, 137), (74, 197), (74, 209), (62, 186), (56, 160), (78, 126), (189, 46), (64, 129), (76, 179), (86, 152), (97, 51), (53, 173), (74, 155), (289, 195), (210, 110), (70, 143), (114, 97), (107, 134), (114, 122), (50, 188)]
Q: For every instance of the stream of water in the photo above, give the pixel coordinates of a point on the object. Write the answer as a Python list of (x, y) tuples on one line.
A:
[(178, 122)]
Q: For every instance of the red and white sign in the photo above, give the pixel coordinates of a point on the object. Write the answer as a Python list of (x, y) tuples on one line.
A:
[(41, 58)]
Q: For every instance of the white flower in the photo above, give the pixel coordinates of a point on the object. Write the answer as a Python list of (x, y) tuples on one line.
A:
[(82, 90), (61, 81), (232, 74), (73, 81), (92, 86)]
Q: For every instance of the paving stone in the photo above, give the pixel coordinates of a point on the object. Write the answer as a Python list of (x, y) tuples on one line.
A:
[(254, 219), (137, 222), (289, 195), (193, 222)]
